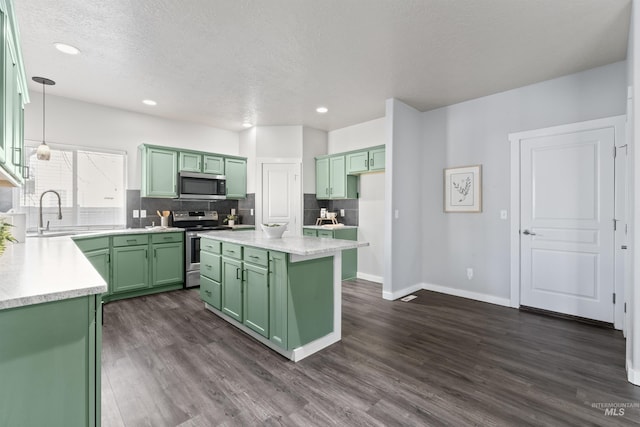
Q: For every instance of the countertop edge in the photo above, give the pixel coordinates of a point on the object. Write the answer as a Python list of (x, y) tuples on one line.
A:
[(51, 297)]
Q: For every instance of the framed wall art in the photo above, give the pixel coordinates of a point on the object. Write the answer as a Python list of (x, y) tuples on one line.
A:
[(463, 189)]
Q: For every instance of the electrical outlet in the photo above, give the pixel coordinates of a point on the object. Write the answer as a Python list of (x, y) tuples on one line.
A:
[(503, 214), (136, 213), (143, 213), (251, 212), (342, 212), (397, 214), (469, 273)]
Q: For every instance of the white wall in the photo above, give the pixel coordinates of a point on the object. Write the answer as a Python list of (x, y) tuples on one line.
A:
[(371, 200), (91, 125), (314, 143), (248, 149), (403, 187), (279, 141), (475, 132)]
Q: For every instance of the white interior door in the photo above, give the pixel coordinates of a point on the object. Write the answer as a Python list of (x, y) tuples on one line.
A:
[(566, 223), (281, 190)]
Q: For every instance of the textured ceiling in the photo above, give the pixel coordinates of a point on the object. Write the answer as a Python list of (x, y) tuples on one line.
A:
[(220, 62)]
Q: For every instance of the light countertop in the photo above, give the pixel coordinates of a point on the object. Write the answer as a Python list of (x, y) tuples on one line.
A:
[(330, 227), (46, 269), (299, 245)]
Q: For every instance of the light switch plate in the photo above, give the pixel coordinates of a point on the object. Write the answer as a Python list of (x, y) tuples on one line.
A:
[(342, 212), (136, 213), (503, 214), (143, 213)]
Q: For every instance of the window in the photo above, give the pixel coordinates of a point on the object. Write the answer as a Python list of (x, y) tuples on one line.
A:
[(90, 182)]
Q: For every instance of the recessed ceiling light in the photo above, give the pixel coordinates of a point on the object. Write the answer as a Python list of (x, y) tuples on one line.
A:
[(149, 102), (68, 49), (247, 125), (322, 110)]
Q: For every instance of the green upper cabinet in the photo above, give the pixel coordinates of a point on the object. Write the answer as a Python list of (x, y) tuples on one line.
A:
[(190, 162), (358, 162), (377, 159), (214, 165), (332, 181), (236, 173), (369, 160), (198, 162), (13, 97), (159, 172), (322, 178)]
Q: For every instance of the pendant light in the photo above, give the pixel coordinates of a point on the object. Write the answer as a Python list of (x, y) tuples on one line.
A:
[(43, 152)]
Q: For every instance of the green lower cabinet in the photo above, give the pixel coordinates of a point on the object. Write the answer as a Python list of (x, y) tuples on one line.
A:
[(100, 259), (50, 363), (167, 264), (349, 256), (130, 268), (210, 292), (232, 288), (256, 298), (210, 265), (278, 286)]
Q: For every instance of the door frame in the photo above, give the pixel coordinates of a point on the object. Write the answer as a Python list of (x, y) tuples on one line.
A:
[(297, 200), (618, 123)]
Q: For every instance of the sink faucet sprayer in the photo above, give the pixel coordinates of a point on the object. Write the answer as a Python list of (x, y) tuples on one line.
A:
[(40, 225)]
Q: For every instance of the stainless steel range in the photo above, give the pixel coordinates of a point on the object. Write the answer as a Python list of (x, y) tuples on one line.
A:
[(194, 222)]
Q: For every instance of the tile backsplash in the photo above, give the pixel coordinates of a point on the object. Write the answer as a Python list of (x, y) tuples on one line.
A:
[(312, 208), (152, 204)]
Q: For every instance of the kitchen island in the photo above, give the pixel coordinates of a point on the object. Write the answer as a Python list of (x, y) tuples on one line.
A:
[(50, 335), (285, 293)]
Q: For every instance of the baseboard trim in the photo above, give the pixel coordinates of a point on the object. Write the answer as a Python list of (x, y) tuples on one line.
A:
[(369, 277), (506, 302), (633, 376), (402, 292)]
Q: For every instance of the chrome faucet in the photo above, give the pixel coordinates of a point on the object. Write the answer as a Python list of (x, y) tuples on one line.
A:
[(40, 225)]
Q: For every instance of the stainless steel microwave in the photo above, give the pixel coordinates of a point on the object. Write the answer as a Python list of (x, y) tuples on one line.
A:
[(202, 186)]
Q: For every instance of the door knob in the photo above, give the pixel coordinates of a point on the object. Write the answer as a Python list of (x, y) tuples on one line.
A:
[(528, 233)]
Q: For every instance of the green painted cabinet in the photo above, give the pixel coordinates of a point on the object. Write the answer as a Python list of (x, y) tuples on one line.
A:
[(278, 307), (377, 159), (369, 160), (190, 161), (232, 288), (236, 173), (322, 178), (256, 298), (13, 97), (159, 172), (167, 265), (50, 367), (130, 268), (211, 292), (332, 181), (290, 304), (349, 256), (136, 264)]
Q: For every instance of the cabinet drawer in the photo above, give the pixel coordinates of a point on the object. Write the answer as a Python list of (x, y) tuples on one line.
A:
[(166, 237), (309, 232), (210, 292), (209, 245), (92, 244), (210, 265), (231, 250), (256, 256), (130, 240), (327, 234)]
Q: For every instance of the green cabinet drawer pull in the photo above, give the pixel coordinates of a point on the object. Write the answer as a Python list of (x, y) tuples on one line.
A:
[(231, 251), (132, 241), (208, 293), (208, 266), (254, 257)]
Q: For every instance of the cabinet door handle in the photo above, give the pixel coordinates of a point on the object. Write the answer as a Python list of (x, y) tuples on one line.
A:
[(28, 174), (155, 253), (371, 163), (146, 254), (238, 273), (243, 271), (366, 163), (205, 165)]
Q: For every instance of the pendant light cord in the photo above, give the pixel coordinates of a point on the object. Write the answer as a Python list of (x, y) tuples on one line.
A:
[(43, 111)]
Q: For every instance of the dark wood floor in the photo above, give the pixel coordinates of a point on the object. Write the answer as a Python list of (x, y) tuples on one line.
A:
[(438, 360)]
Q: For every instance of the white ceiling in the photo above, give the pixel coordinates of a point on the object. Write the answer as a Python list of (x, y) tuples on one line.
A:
[(220, 62)]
